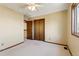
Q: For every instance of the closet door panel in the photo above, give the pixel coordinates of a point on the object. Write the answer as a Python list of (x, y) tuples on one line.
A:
[(41, 30), (36, 30), (29, 29)]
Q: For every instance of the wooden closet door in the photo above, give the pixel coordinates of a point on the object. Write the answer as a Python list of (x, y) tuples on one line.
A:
[(29, 29), (36, 30), (42, 30), (39, 33)]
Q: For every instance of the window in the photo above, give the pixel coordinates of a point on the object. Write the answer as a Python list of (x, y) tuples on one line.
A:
[(75, 19)]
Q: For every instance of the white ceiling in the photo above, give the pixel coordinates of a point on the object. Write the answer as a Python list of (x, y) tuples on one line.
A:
[(45, 9)]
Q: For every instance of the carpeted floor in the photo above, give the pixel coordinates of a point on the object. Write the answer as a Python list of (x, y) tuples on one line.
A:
[(36, 48)]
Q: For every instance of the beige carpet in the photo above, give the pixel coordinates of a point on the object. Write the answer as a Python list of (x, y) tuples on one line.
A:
[(36, 48)]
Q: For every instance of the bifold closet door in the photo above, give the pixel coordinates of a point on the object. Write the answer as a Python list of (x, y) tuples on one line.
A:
[(42, 30), (39, 33), (29, 29), (36, 30)]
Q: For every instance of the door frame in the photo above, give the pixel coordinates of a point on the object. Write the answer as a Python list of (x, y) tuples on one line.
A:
[(25, 30)]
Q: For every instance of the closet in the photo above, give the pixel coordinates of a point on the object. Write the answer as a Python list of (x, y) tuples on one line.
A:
[(39, 29)]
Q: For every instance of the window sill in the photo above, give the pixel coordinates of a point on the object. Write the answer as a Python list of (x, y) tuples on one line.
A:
[(76, 34)]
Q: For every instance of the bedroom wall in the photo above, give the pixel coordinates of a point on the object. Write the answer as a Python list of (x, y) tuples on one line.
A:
[(11, 27), (55, 26), (73, 41)]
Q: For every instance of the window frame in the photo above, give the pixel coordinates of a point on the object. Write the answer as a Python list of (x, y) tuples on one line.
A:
[(74, 28)]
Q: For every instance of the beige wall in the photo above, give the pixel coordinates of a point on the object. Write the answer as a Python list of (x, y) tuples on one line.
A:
[(11, 27), (73, 41), (55, 27)]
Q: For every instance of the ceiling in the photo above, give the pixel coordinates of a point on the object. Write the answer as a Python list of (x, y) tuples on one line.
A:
[(45, 9)]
